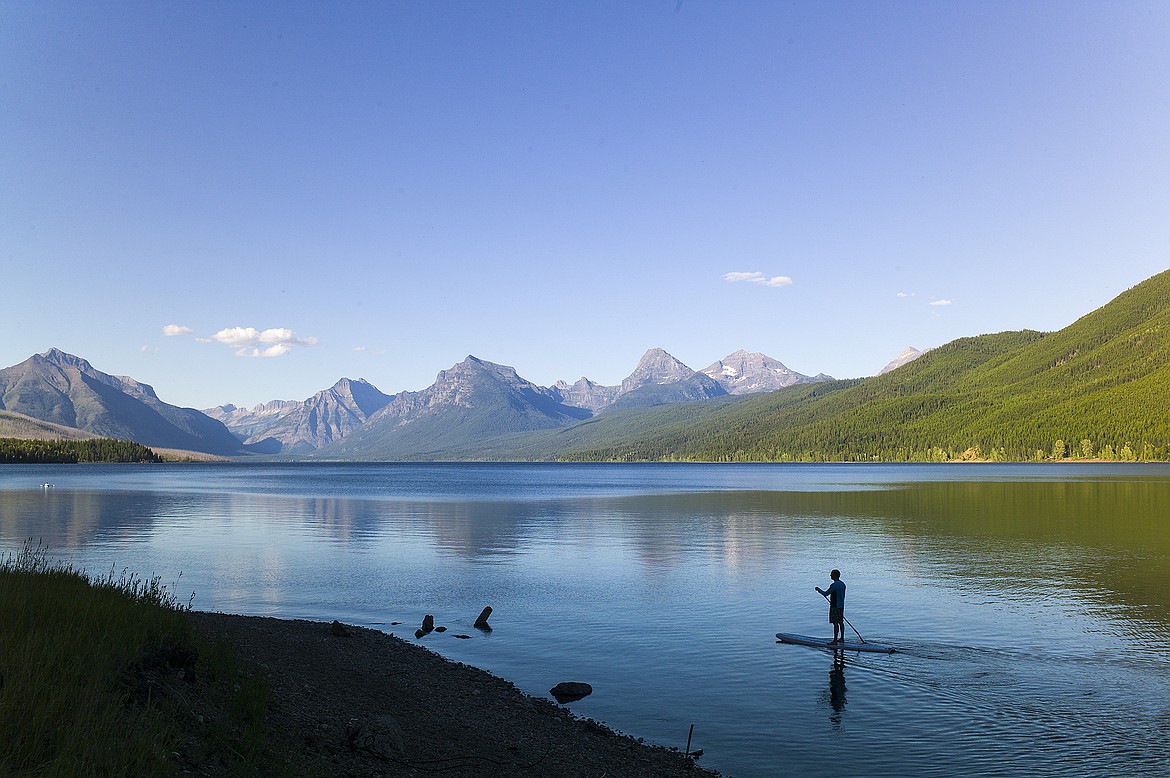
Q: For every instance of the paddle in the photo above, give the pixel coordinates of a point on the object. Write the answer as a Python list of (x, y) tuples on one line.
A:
[(843, 616)]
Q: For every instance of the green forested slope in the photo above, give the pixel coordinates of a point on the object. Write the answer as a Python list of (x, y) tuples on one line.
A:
[(1099, 387)]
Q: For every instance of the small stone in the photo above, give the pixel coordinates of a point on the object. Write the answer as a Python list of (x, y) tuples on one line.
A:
[(464, 637), (418, 633), (440, 629), (428, 624), (378, 736), (482, 621)]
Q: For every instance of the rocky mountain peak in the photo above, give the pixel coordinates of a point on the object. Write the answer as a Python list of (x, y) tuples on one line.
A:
[(909, 354), (585, 394), (363, 395), (750, 372), (56, 356), (656, 367)]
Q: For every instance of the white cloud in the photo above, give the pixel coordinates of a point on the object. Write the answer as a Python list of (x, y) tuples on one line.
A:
[(250, 342), (148, 350), (171, 330), (939, 302), (733, 277), (757, 278), (905, 294)]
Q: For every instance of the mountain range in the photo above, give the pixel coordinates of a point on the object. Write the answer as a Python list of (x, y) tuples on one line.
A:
[(477, 400), (1097, 387), (61, 395)]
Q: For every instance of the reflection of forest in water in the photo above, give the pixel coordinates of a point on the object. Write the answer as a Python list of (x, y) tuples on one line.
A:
[(1107, 538)]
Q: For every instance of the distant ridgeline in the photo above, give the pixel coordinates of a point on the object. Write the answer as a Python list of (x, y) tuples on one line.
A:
[(17, 451), (1097, 389)]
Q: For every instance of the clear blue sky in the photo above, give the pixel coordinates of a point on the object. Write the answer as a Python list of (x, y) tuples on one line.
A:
[(387, 187)]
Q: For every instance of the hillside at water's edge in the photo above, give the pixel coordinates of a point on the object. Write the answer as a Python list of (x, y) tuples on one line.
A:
[(17, 425), (1098, 388)]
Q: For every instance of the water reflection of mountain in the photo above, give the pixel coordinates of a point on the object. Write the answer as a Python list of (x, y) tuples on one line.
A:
[(1110, 538), (70, 519)]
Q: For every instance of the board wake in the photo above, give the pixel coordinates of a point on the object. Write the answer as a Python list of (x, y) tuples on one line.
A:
[(805, 640)]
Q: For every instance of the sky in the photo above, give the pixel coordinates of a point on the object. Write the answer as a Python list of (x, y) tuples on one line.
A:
[(240, 202)]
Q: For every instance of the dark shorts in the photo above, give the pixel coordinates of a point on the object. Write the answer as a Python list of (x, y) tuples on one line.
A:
[(836, 615)]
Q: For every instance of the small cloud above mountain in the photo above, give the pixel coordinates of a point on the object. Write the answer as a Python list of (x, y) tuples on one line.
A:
[(174, 330), (250, 342), (757, 278), (939, 302)]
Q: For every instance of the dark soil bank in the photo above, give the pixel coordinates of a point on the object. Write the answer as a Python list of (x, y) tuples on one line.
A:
[(356, 702)]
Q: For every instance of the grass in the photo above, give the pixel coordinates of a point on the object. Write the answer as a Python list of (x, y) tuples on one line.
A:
[(102, 676)]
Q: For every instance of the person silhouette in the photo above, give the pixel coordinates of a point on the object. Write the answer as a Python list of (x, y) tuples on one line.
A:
[(836, 596)]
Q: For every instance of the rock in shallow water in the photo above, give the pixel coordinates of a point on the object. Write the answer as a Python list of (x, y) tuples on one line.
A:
[(570, 691)]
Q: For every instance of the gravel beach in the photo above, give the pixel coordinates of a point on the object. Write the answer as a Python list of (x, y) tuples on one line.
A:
[(351, 701)]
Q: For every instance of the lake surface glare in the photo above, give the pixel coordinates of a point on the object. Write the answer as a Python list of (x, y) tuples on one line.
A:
[(1030, 604)]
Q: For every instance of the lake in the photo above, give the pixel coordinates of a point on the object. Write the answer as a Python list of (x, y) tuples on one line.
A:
[(1030, 604)]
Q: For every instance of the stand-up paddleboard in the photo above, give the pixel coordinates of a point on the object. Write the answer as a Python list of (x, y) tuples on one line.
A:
[(805, 640)]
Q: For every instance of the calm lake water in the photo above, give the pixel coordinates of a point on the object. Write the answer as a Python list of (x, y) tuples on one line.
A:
[(1030, 604)]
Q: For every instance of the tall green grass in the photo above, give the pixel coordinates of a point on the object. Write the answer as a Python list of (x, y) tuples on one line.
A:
[(84, 693), (65, 638)]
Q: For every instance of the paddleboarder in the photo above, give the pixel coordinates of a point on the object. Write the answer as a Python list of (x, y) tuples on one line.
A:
[(836, 596)]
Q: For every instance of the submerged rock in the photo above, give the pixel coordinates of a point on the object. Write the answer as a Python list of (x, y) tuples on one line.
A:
[(570, 691), (482, 621)]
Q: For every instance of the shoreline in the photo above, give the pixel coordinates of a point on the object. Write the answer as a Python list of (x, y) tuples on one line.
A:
[(354, 701)]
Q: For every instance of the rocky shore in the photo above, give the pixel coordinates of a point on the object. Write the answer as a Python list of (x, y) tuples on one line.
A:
[(350, 701)]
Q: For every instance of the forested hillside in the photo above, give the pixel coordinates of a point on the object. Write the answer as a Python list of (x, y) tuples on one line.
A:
[(1096, 389)]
